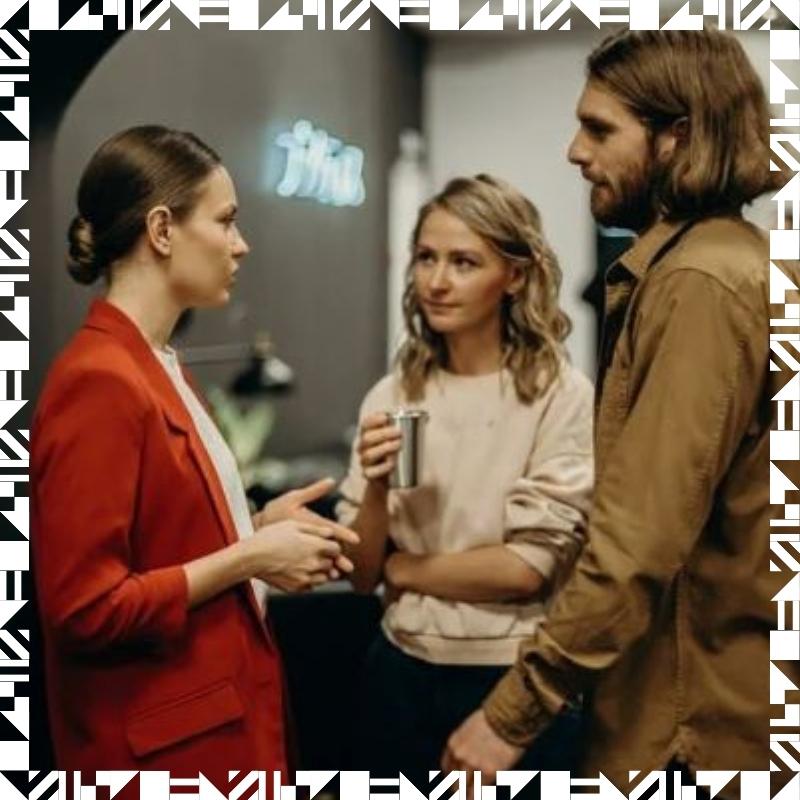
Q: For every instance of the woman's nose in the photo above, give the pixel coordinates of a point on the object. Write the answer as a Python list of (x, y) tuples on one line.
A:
[(240, 246), (440, 277)]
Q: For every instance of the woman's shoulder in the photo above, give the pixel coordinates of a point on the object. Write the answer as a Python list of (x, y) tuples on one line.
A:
[(571, 379), (92, 364), (383, 395)]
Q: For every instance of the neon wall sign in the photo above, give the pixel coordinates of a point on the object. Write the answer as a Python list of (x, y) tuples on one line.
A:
[(321, 167)]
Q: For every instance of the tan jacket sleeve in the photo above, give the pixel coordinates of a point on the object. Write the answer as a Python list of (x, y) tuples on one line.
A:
[(697, 366)]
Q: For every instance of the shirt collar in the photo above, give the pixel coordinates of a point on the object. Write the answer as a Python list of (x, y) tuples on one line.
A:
[(647, 248)]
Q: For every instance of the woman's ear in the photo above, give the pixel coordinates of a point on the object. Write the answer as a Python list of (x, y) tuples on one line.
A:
[(517, 282), (159, 230)]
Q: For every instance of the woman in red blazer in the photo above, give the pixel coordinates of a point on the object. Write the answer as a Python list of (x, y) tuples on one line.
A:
[(157, 652)]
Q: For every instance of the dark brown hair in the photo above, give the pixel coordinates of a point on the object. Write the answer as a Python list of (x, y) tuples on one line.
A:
[(706, 77), (129, 174), (533, 323)]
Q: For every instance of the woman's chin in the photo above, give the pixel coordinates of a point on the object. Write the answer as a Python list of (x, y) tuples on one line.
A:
[(214, 301), (441, 324)]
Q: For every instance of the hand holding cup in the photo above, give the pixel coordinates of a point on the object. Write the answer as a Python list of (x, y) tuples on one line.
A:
[(379, 442)]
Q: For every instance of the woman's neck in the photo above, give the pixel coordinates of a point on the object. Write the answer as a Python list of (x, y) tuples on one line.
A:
[(138, 292), (474, 352)]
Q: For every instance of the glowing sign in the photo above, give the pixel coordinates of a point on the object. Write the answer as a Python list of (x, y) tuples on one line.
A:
[(321, 167)]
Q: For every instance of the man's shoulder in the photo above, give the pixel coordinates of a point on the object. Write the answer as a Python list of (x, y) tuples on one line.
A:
[(728, 249)]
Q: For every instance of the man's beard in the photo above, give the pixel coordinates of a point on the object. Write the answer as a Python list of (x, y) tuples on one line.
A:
[(633, 203)]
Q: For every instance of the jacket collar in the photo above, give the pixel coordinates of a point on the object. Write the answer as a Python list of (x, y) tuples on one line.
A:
[(103, 316), (647, 249)]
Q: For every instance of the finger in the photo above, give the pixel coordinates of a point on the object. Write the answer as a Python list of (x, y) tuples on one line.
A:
[(320, 564), (344, 564), (380, 453), (377, 419), (345, 535), (307, 494), (257, 520), (334, 575), (339, 531), (329, 549), (380, 471), (379, 436), (313, 529), (318, 578), (325, 548)]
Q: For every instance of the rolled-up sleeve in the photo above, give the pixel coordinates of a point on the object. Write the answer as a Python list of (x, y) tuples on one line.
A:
[(698, 362), (87, 445), (547, 508)]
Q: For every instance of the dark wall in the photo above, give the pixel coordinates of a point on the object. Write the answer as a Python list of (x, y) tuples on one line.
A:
[(315, 279)]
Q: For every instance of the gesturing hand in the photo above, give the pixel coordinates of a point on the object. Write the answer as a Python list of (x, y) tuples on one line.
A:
[(292, 506), (294, 556), (289, 503)]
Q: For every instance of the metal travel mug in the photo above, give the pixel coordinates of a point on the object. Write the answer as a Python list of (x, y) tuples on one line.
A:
[(406, 472)]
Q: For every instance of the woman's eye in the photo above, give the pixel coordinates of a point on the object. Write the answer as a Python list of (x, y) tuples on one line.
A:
[(464, 264), (424, 258)]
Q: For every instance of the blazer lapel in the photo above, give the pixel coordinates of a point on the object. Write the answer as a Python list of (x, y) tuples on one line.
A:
[(106, 317)]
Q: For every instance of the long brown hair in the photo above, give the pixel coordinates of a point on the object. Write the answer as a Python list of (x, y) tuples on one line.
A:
[(705, 77), (534, 326)]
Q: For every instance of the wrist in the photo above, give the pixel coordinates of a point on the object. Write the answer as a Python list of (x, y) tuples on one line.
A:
[(244, 559), (402, 570), (377, 490)]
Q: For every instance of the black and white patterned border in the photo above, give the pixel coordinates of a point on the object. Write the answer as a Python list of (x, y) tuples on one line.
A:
[(16, 782)]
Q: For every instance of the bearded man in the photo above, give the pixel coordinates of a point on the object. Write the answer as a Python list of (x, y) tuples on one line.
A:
[(665, 622)]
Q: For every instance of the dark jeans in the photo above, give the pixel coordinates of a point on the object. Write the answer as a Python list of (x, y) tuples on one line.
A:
[(410, 707)]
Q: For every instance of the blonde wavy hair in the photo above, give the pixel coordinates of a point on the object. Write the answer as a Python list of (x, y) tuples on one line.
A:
[(533, 324)]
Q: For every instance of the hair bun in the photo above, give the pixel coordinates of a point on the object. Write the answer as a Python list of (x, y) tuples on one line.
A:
[(82, 260)]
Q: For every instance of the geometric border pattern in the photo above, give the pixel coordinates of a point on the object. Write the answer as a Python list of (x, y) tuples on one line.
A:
[(19, 17)]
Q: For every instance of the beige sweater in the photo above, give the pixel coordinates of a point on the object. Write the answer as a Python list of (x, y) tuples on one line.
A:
[(494, 471)]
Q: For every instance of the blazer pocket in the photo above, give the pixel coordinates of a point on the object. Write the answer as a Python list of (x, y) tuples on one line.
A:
[(183, 717)]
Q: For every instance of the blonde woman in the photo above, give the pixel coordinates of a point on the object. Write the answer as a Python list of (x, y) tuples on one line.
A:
[(471, 555)]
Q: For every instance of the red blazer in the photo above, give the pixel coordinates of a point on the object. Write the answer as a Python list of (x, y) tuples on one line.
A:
[(123, 494)]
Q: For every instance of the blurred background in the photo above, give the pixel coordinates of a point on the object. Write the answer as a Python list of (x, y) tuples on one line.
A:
[(333, 139)]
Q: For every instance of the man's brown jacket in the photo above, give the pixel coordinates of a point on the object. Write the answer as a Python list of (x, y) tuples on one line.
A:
[(666, 619)]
